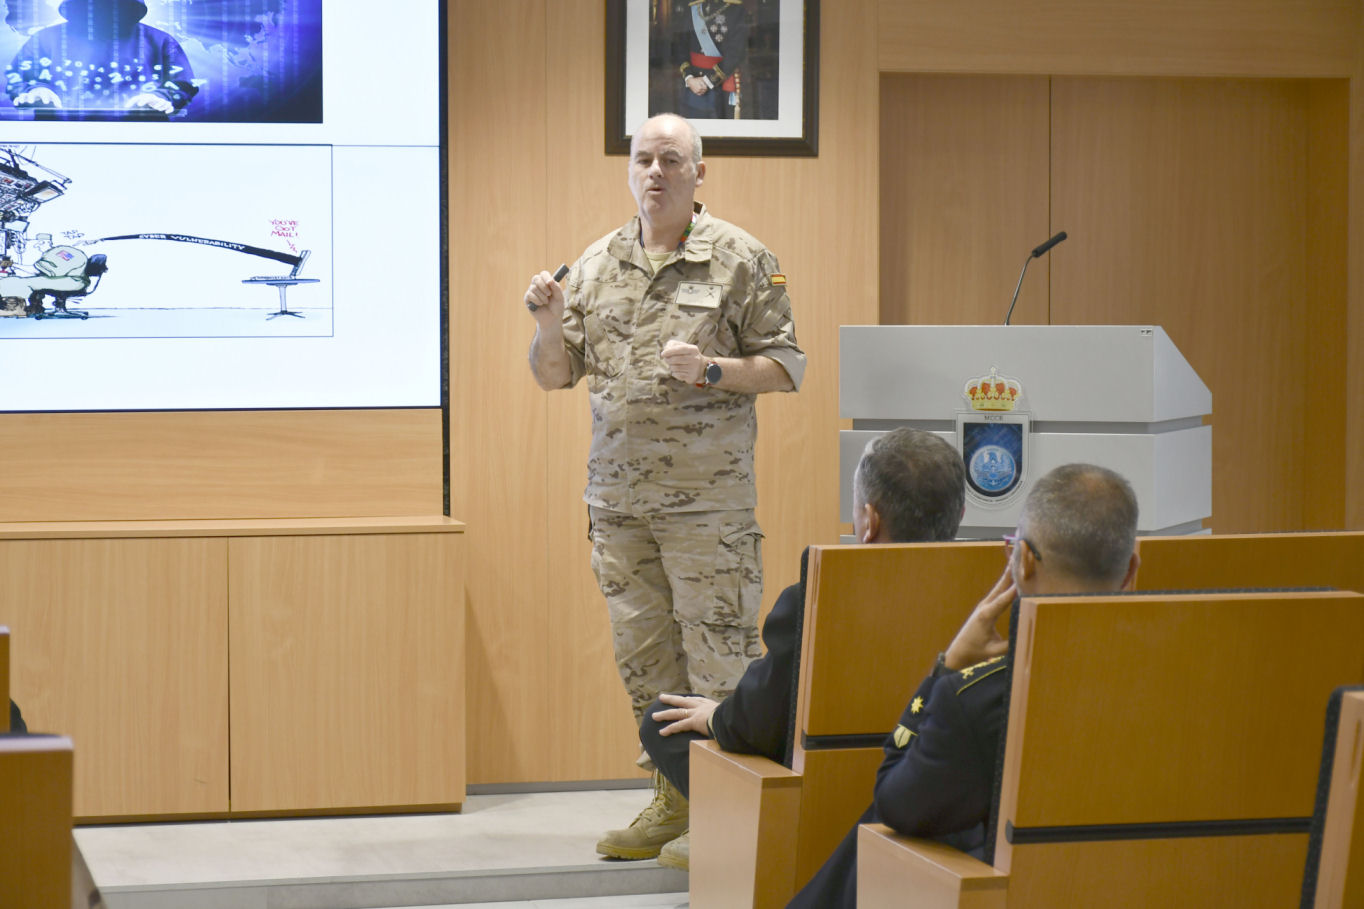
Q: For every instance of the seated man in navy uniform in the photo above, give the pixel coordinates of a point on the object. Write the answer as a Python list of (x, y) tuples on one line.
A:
[(909, 487), (1076, 534)]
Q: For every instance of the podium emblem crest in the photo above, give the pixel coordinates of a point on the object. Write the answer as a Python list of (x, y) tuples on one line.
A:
[(993, 439)]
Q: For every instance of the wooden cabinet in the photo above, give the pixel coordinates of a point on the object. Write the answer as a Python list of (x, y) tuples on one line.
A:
[(215, 668)]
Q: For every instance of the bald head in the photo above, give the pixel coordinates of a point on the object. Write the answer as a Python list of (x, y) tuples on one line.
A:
[(670, 124), (1082, 521), (665, 171)]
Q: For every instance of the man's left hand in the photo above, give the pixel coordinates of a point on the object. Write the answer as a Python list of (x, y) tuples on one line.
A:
[(684, 361), (696, 85), (687, 713)]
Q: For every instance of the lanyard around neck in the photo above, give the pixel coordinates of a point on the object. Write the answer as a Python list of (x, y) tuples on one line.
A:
[(686, 232)]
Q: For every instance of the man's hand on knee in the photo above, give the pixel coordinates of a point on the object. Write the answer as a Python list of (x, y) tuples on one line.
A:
[(685, 713)]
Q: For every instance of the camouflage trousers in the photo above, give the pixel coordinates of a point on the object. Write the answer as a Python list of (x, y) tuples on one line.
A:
[(683, 590)]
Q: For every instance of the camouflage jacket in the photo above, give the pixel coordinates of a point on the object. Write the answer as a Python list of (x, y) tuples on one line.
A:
[(659, 444)]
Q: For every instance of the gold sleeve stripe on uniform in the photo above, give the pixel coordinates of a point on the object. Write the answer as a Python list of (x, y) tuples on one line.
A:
[(979, 677)]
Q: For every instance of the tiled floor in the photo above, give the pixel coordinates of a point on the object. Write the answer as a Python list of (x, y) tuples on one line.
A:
[(535, 848)]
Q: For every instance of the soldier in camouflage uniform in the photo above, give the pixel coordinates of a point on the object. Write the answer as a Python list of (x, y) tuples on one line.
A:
[(678, 321)]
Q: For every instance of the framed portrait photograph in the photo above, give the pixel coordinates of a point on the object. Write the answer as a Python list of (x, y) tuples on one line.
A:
[(744, 72)]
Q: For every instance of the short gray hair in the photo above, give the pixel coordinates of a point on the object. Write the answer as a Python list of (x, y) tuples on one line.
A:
[(916, 482), (1082, 519)]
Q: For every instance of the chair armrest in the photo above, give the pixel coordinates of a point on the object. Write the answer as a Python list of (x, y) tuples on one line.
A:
[(743, 810), (907, 873)]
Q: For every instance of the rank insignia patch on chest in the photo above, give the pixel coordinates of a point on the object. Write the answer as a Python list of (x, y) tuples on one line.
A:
[(699, 295)]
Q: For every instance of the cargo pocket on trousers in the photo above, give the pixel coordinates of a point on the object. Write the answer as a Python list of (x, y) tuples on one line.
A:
[(738, 575)]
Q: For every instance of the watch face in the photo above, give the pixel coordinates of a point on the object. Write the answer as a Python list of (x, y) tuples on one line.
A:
[(713, 373)]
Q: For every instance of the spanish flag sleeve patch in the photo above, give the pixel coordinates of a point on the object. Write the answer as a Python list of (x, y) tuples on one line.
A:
[(777, 278)]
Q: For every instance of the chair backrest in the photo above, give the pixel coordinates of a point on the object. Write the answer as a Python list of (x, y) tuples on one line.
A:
[(98, 265), (4, 677), (1252, 560), (35, 838), (1335, 848), (1158, 748), (875, 619)]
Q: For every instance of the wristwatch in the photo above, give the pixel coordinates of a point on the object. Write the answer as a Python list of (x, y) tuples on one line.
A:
[(710, 375), (939, 666)]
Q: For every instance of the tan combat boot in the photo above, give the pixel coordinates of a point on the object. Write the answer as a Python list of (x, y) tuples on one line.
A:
[(664, 819), (677, 854)]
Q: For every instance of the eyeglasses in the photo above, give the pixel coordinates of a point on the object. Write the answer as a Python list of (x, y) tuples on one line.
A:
[(1011, 539)]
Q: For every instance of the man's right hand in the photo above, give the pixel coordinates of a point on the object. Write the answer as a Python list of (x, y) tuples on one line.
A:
[(546, 296), (685, 713), (979, 639), (38, 97), (151, 102)]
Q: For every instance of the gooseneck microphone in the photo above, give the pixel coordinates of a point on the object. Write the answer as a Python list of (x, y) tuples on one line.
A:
[(1033, 255)]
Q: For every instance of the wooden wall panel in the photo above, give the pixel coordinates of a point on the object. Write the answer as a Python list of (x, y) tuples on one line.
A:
[(532, 190), (1186, 201), (220, 464), (1353, 408), (366, 634), (91, 620), (1326, 313), (500, 137), (964, 184), (1121, 37)]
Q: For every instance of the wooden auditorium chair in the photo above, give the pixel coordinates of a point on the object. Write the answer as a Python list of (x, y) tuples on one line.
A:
[(1252, 560), (1159, 752), (4, 677), (36, 845), (878, 616), (875, 619), (1335, 848)]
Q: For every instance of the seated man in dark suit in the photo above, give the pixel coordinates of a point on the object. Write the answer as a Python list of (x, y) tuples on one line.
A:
[(909, 487), (1076, 534)]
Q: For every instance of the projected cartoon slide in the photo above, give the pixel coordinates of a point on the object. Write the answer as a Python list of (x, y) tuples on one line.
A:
[(221, 241), (224, 213)]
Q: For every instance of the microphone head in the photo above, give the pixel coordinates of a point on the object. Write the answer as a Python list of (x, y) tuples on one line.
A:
[(1049, 244)]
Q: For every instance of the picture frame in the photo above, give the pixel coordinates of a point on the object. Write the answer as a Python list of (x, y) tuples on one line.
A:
[(666, 56)]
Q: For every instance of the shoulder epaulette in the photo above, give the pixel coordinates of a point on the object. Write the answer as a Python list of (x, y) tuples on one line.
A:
[(972, 674)]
